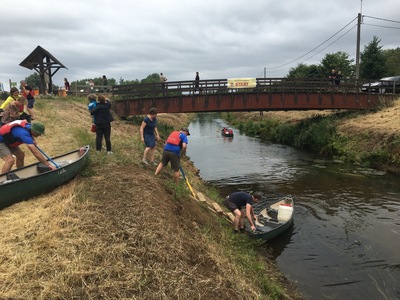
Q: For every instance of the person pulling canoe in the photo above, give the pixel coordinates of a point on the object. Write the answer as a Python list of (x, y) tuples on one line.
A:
[(235, 202), (16, 133)]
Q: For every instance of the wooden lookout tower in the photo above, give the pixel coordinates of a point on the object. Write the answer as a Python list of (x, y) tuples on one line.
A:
[(45, 64)]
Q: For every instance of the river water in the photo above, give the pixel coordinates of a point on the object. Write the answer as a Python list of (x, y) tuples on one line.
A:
[(345, 242)]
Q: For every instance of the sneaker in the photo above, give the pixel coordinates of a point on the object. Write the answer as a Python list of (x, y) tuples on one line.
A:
[(154, 163), (110, 152), (235, 231), (145, 162)]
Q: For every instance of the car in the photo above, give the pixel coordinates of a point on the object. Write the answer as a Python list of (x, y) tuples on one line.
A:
[(383, 85)]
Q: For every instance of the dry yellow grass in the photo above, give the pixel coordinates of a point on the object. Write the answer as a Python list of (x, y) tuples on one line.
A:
[(119, 234)]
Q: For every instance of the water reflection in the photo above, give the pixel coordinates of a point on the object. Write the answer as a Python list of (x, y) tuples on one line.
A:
[(346, 235)]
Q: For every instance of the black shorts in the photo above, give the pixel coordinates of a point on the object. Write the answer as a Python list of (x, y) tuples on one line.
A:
[(230, 205)]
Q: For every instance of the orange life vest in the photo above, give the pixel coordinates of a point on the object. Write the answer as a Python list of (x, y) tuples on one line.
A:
[(174, 139)]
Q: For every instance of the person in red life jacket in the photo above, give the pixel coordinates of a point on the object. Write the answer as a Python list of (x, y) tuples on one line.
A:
[(174, 148), (235, 202), (16, 133), (27, 92)]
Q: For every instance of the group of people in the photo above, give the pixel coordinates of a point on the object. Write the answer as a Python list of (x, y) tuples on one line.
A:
[(239, 203), (17, 132), (335, 77), (174, 148), (16, 128), (196, 87)]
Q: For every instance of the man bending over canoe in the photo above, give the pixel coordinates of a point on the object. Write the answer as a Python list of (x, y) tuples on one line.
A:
[(235, 202), (16, 133)]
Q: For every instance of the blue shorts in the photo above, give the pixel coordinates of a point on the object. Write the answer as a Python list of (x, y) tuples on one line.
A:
[(30, 103), (150, 140)]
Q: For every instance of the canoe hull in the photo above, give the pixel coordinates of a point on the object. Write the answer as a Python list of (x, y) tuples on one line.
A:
[(32, 182), (273, 220)]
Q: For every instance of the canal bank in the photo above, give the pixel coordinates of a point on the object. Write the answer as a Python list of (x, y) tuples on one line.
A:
[(333, 250), (371, 139)]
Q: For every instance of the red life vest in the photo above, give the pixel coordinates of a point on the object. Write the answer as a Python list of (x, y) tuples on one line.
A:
[(5, 131), (174, 139)]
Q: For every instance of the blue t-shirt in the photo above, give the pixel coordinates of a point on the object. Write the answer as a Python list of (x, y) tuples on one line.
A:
[(176, 148), (21, 134)]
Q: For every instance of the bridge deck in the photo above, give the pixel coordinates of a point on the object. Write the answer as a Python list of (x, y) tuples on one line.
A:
[(268, 94)]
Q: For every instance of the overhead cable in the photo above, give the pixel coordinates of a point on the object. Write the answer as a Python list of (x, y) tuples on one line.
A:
[(275, 67)]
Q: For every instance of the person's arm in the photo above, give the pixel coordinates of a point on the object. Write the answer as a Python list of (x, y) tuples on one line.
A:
[(142, 129), (183, 150), (249, 216), (157, 135), (39, 156), (7, 102)]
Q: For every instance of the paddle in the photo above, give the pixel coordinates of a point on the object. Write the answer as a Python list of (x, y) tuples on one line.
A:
[(54, 163), (187, 182)]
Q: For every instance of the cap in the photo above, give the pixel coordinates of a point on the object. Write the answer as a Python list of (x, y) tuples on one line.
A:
[(185, 129), (38, 128)]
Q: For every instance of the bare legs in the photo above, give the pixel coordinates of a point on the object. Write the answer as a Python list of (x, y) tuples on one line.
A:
[(149, 151)]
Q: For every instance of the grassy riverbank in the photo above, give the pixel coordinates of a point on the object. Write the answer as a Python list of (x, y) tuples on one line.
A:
[(371, 139), (119, 232)]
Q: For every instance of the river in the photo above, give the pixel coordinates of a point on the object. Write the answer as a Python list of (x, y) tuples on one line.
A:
[(345, 241)]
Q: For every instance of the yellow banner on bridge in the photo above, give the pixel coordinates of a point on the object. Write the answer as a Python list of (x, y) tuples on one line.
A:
[(241, 83)]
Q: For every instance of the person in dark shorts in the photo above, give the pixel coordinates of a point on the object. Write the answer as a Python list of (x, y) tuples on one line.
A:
[(27, 92), (149, 135), (174, 148), (238, 200)]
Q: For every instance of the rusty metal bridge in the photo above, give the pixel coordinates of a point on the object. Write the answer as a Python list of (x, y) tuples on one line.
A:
[(268, 94)]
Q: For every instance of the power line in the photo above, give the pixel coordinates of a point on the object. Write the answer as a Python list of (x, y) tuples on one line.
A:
[(377, 18), (387, 20), (331, 43), (315, 47), (390, 27)]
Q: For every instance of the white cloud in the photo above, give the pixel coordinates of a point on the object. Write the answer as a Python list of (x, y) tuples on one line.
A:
[(220, 39)]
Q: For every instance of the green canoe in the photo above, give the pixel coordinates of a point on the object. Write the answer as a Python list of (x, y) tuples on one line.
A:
[(33, 180)]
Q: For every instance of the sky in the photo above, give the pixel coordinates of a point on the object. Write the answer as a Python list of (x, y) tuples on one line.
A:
[(218, 38)]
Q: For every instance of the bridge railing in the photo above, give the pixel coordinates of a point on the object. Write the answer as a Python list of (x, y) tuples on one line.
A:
[(220, 86)]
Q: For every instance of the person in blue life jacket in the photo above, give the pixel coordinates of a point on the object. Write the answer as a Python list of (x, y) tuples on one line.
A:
[(238, 200), (92, 98), (16, 133), (175, 147)]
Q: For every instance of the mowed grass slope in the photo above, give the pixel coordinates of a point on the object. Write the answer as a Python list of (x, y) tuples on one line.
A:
[(118, 232)]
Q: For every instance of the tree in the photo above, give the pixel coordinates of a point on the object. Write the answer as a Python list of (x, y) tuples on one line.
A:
[(339, 61), (392, 57), (305, 71), (33, 80), (373, 61)]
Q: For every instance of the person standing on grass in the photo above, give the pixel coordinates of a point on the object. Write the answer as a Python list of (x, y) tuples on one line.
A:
[(149, 135), (103, 118), (235, 202), (174, 148), (67, 86), (27, 92)]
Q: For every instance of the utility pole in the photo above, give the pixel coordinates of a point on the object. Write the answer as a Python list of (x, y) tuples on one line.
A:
[(265, 72), (358, 47)]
